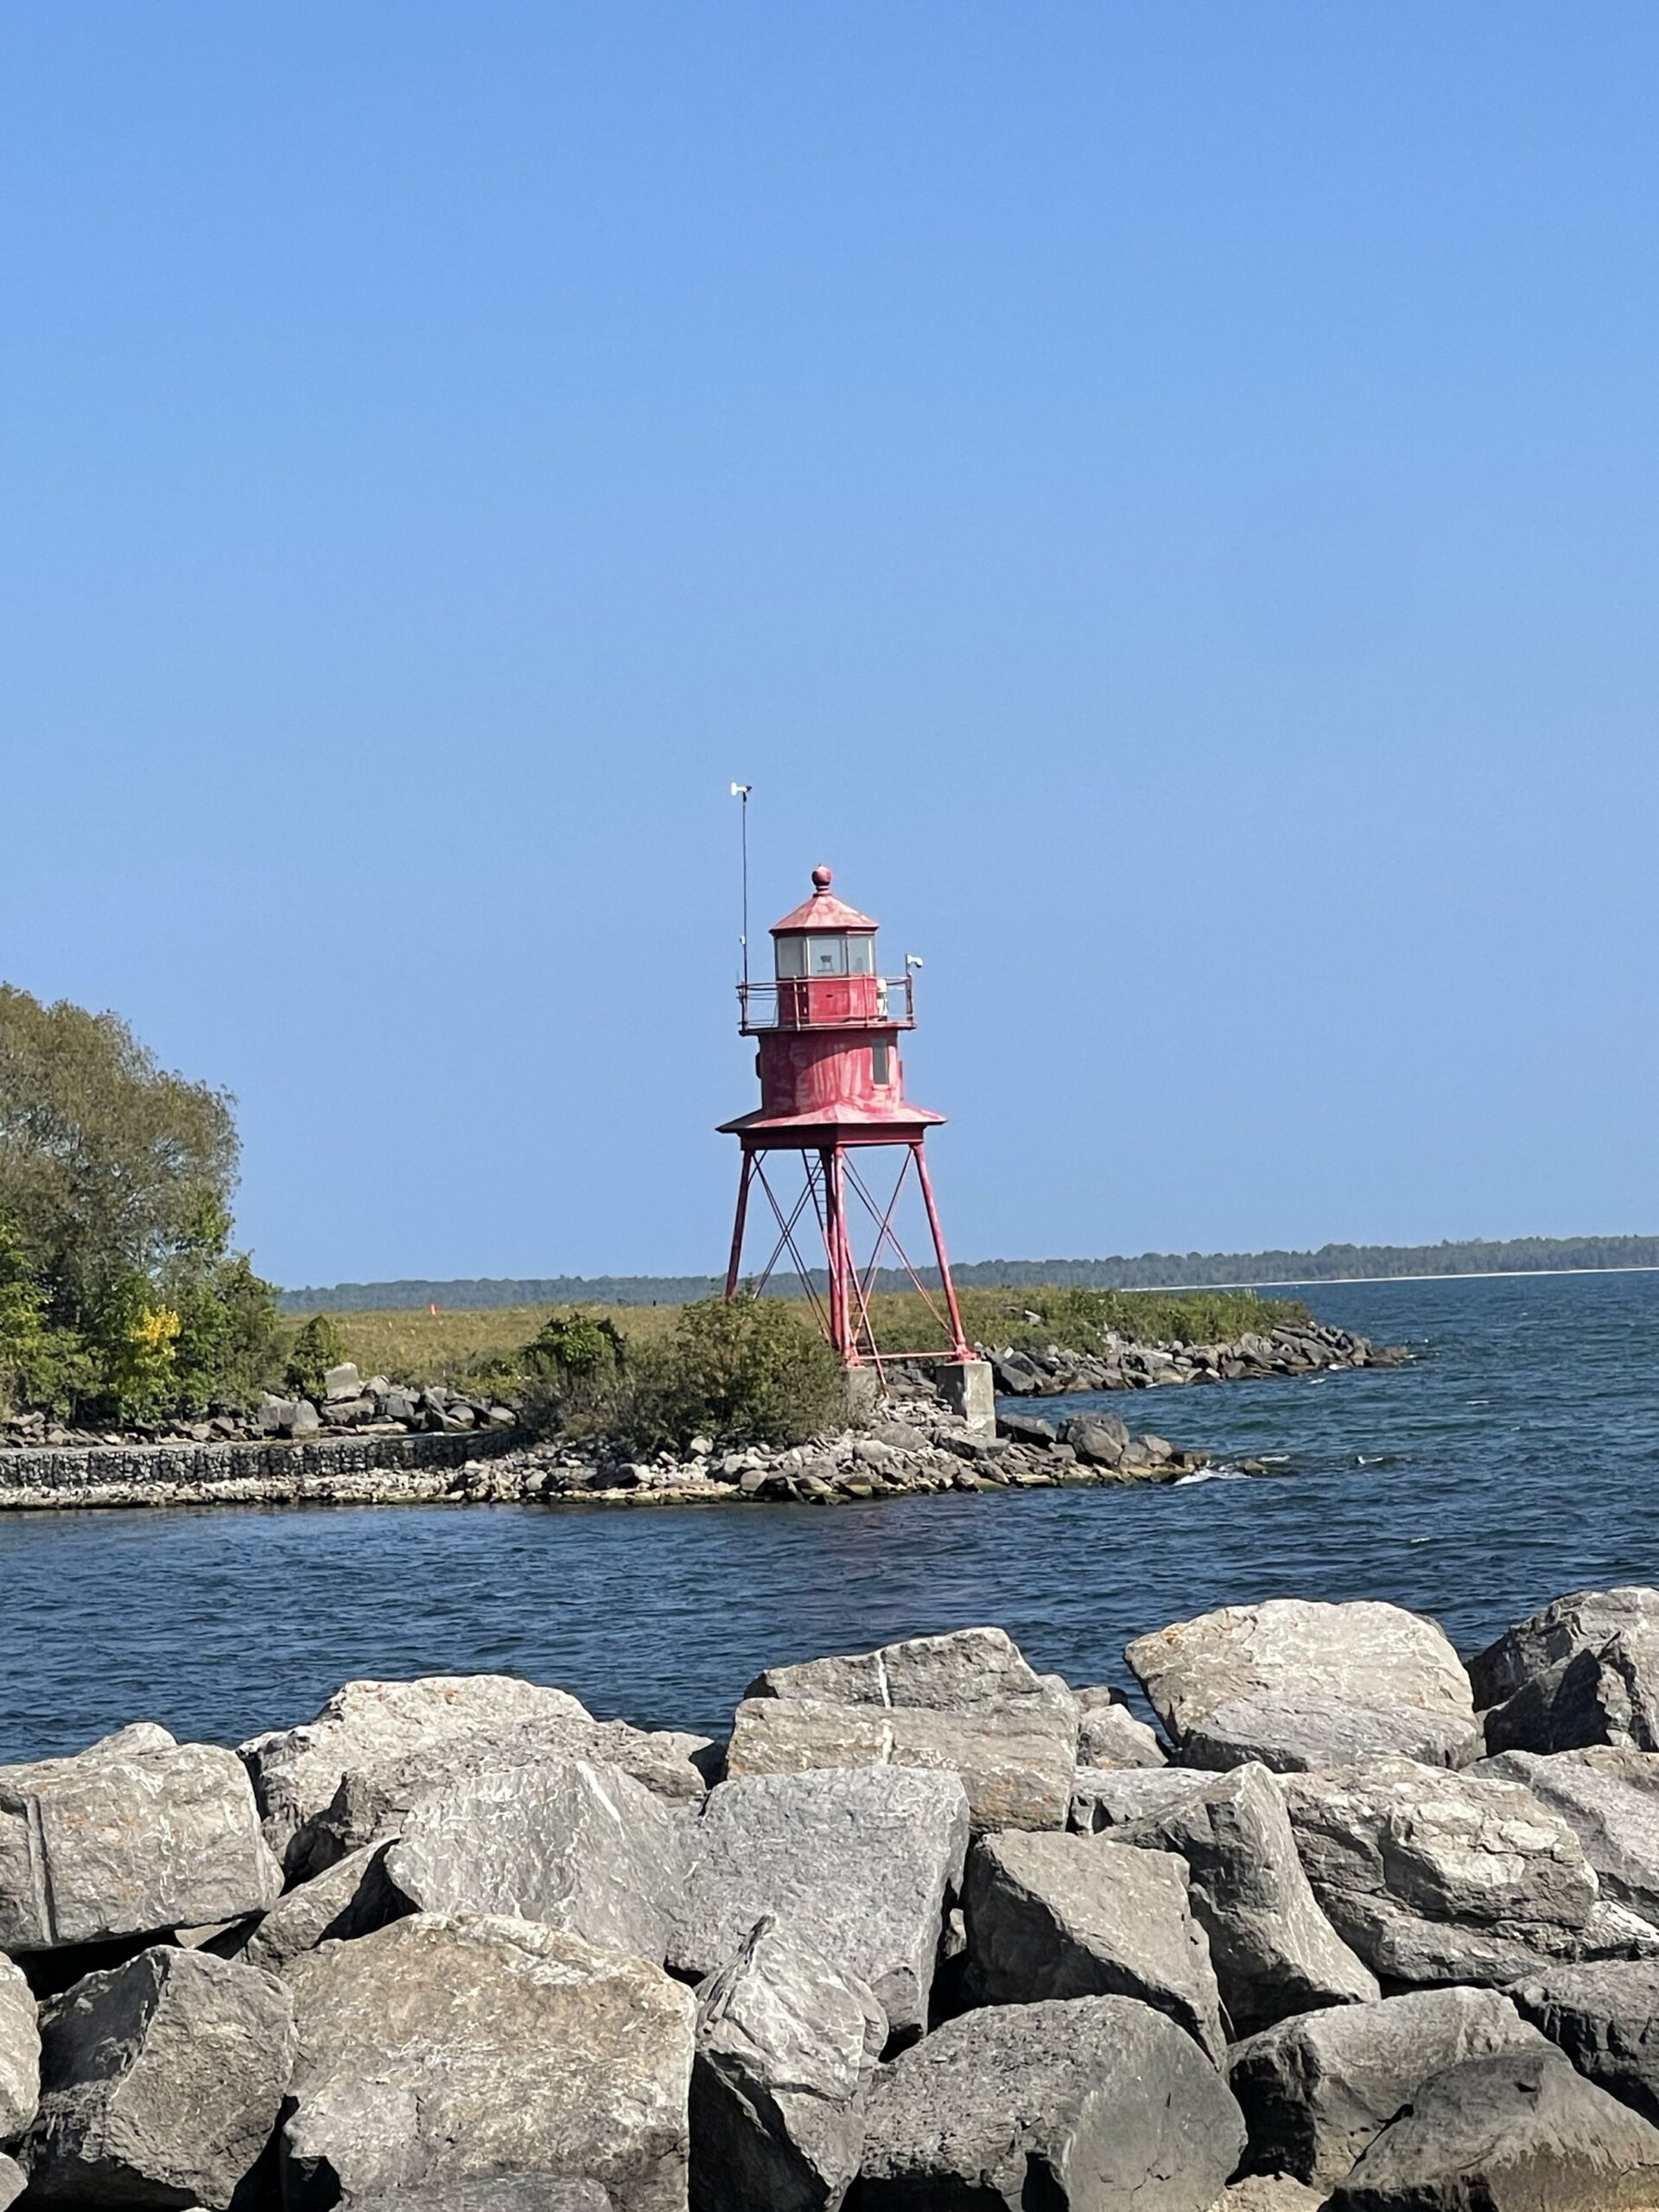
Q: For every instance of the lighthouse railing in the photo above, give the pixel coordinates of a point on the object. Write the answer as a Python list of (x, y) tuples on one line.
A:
[(776, 1005)]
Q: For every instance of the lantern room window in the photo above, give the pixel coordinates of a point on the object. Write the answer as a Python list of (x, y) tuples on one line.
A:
[(819, 953)]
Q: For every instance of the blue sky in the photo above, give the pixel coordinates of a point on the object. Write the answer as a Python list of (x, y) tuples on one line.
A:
[(1163, 498)]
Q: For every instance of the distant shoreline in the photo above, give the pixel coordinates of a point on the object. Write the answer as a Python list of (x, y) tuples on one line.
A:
[(1460, 1260), (1459, 1274)]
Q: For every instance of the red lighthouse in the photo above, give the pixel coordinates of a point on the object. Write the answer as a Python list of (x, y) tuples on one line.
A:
[(832, 1094)]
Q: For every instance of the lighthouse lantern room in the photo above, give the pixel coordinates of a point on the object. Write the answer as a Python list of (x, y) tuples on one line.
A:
[(832, 1095)]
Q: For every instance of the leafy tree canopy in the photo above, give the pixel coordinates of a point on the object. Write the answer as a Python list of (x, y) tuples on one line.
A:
[(119, 1296)]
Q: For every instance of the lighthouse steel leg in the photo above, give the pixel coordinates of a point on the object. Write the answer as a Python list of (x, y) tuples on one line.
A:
[(834, 1250), (734, 1265), (959, 1342)]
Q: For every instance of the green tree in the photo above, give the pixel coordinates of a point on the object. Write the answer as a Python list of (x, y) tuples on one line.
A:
[(118, 1293)]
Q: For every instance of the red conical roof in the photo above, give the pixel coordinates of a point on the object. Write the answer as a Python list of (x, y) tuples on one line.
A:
[(823, 911)]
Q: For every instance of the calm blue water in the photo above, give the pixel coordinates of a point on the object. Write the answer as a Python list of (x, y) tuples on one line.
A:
[(1519, 1458)]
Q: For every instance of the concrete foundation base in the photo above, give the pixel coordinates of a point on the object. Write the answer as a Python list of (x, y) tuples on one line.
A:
[(968, 1388), (861, 1396)]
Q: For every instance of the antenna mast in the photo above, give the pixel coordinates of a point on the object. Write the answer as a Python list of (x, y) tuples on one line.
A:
[(741, 792)]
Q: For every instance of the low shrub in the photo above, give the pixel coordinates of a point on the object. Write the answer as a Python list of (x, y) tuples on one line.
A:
[(320, 1345), (745, 1370)]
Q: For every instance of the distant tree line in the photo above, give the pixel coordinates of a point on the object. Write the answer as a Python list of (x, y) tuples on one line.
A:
[(1151, 1271)]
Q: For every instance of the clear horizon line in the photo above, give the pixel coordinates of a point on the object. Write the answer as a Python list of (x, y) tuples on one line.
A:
[(1448, 1275)]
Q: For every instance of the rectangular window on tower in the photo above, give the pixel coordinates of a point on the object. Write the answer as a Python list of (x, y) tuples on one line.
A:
[(861, 956), (881, 1064)]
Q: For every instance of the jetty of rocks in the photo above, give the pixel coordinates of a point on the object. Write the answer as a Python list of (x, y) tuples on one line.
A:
[(349, 1405), (1127, 1363), (915, 1447), (1353, 1923)]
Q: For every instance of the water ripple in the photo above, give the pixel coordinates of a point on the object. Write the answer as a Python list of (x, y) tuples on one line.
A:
[(1516, 1459)]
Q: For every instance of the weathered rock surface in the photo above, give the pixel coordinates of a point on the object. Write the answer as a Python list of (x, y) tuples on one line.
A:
[(1295, 1731), (1317, 2089), (580, 1847), (1075, 1915), (1097, 2104), (1609, 1799), (1520, 2132), (1375, 1657), (462, 2048), (1585, 1670), (786, 2047), (1106, 1797), (20, 2053), (346, 1778), (352, 1897), (1268, 2193), (1273, 1950), (1109, 1734), (1605, 2018), (161, 2081), (963, 1672), (132, 1836), (860, 1863), (1016, 1762), (1449, 1877), (968, 1703), (512, 2194), (13, 2181)]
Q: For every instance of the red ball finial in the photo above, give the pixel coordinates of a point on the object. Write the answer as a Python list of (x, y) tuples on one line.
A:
[(820, 879)]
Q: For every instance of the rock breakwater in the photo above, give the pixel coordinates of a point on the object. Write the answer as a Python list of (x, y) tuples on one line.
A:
[(1311, 1348), (917, 1448), (932, 1930)]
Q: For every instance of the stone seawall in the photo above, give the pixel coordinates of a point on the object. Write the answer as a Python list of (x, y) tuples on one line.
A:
[(349, 1467), (1357, 1925)]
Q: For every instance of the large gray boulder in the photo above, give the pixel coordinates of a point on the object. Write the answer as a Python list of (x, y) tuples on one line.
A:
[(1297, 1732), (20, 2052), (1016, 1762), (1273, 1951), (1109, 1735), (580, 1847), (352, 1897), (1317, 2089), (860, 1863), (967, 1671), (787, 2044), (1110, 1797), (13, 2181), (1436, 1878), (133, 1836), (375, 1744), (1273, 1676), (515, 2194), (1519, 2132), (1585, 1670), (161, 2081), (1078, 1915), (1609, 1799), (1097, 2104), (968, 1703), (1605, 2018), (450, 2048)]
